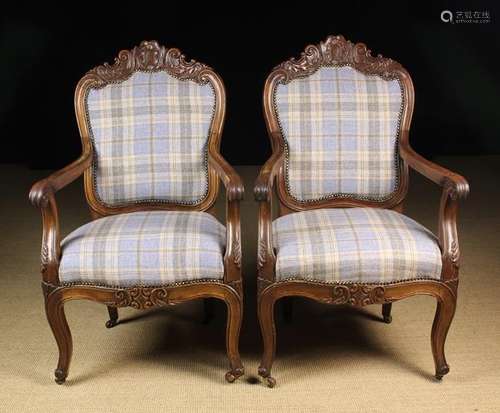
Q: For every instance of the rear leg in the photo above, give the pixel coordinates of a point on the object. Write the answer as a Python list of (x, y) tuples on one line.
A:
[(113, 317), (386, 312)]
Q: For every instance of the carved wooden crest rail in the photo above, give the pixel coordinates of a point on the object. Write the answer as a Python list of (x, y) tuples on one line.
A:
[(149, 56), (337, 51)]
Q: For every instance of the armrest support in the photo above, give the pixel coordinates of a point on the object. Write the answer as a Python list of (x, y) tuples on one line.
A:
[(42, 195), (234, 194), (455, 187), (264, 182), (266, 257), (231, 180)]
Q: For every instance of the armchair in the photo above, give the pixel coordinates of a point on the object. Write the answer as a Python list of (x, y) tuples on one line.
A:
[(338, 120), (150, 126)]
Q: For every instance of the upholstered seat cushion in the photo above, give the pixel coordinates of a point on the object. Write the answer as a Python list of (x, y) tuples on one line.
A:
[(144, 248), (369, 245)]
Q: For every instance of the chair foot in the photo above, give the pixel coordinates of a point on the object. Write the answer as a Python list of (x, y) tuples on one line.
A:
[(266, 319), (268, 379), (113, 317), (442, 371), (270, 382), (234, 319), (60, 376), (445, 311), (233, 375), (111, 323)]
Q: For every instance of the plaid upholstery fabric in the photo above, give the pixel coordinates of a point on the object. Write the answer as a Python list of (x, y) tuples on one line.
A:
[(144, 248), (341, 130), (354, 245), (150, 134)]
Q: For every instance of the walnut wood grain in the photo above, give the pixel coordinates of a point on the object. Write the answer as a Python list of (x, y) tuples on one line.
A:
[(234, 194), (264, 182), (335, 50), (266, 257), (231, 180), (149, 56)]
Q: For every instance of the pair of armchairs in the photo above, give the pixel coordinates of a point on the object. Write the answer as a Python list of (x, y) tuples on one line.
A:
[(338, 120)]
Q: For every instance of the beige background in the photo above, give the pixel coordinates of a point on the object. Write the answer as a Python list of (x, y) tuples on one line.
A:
[(328, 359)]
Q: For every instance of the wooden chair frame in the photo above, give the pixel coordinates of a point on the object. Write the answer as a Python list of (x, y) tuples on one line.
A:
[(337, 51), (151, 57)]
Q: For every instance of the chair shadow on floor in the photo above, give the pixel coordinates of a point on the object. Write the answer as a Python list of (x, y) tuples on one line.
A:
[(175, 337), (335, 335), (306, 339), (178, 339)]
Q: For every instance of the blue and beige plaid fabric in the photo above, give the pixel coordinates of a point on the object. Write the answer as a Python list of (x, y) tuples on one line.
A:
[(341, 130), (144, 248), (149, 134), (368, 245)]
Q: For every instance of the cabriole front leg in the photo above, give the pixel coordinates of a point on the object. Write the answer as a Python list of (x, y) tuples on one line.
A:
[(234, 319), (54, 307), (446, 297), (265, 304), (445, 311)]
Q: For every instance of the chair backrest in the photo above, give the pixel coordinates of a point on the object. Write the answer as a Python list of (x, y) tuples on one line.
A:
[(339, 113), (149, 118)]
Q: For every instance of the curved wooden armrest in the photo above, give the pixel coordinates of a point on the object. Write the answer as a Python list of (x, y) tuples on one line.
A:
[(234, 194), (457, 184), (264, 182), (266, 257), (42, 195), (455, 187), (231, 180), (43, 190)]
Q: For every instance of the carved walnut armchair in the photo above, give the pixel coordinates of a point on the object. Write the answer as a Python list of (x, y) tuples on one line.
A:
[(150, 126), (339, 120)]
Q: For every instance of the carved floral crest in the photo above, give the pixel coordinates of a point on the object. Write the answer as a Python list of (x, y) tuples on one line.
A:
[(337, 51), (151, 57), (358, 295), (142, 297)]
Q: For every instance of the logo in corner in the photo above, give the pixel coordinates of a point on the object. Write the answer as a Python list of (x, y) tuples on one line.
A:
[(447, 16), (466, 17)]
